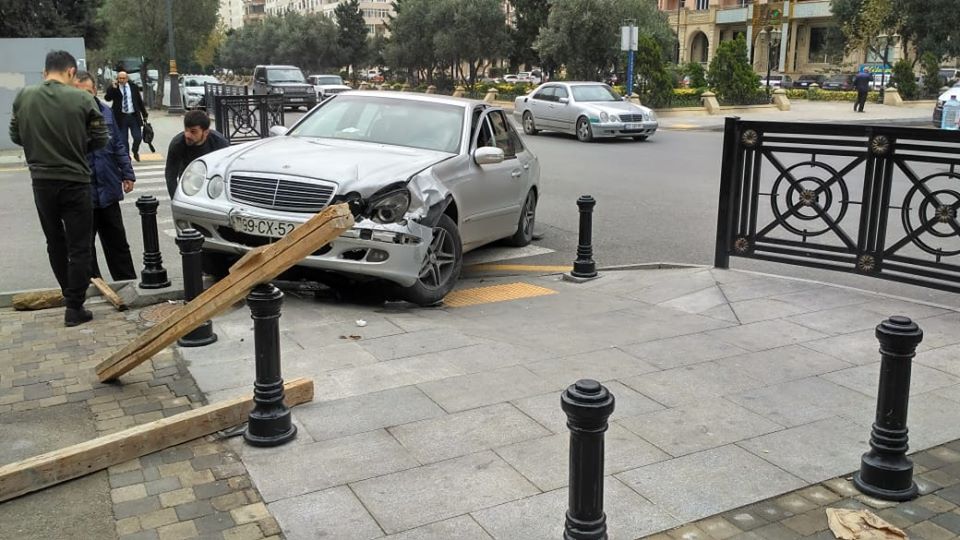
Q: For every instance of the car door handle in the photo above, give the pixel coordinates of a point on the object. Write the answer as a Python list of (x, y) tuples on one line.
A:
[(517, 173), (526, 165)]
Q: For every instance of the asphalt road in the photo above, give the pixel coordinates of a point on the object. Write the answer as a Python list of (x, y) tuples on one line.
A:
[(656, 201)]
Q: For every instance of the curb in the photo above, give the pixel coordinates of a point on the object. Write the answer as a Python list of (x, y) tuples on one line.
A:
[(132, 295)]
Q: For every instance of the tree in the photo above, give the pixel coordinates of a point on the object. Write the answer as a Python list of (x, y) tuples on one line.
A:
[(139, 28), (904, 78), (473, 30), (931, 74), (52, 18), (584, 35), (928, 25), (698, 77), (731, 74), (410, 46), (209, 50), (529, 17), (306, 41), (656, 88), (352, 33)]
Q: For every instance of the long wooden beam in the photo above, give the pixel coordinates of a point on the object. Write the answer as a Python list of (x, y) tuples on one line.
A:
[(257, 266), (52, 468)]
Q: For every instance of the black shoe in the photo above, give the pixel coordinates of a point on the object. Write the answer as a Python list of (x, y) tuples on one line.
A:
[(76, 316), (136, 156)]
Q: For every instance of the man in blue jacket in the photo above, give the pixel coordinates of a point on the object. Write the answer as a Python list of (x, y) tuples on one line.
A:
[(112, 176)]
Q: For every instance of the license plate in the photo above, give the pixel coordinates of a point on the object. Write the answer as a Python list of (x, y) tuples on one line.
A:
[(296, 99), (261, 227), (633, 126)]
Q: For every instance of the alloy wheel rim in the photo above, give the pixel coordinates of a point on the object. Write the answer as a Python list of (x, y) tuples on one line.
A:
[(528, 122), (529, 215), (438, 265), (584, 129)]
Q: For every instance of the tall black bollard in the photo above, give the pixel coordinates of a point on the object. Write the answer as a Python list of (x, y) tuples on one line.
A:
[(270, 423), (588, 405), (584, 266), (190, 242), (153, 275), (885, 471)]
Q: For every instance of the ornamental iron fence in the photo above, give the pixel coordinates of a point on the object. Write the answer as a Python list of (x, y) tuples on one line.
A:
[(247, 117)]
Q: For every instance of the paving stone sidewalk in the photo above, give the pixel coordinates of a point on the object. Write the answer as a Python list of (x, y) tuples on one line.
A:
[(50, 399)]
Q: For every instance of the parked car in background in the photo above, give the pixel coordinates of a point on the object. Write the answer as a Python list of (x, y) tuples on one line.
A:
[(511, 78), (286, 80), (839, 81), (941, 100), (427, 177), (778, 81), (529, 77), (327, 85), (589, 110), (192, 91), (949, 76), (804, 81)]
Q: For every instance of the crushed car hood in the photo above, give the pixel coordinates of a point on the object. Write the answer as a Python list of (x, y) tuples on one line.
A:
[(355, 166)]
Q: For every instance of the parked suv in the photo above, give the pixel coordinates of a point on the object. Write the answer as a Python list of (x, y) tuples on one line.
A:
[(327, 85), (839, 81), (286, 80)]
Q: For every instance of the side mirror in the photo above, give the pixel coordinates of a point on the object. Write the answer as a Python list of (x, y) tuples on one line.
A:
[(488, 155), (564, 100), (278, 131)]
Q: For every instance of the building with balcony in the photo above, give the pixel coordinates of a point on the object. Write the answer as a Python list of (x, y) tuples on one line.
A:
[(231, 13), (254, 11), (702, 24)]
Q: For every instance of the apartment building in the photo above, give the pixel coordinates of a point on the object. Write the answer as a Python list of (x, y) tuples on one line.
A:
[(802, 25), (232, 13)]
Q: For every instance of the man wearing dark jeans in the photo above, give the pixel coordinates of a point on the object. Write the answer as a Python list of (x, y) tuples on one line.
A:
[(57, 125), (862, 84), (128, 111)]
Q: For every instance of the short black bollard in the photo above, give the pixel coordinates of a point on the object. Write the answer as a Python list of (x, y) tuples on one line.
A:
[(588, 405), (584, 267), (270, 423), (153, 275), (885, 471), (190, 242)]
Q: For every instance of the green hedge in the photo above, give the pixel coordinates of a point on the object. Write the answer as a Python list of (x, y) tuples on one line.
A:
[(819, 94)]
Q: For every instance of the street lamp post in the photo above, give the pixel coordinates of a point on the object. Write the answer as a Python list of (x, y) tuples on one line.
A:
[(885, 41), (176, 107), (773, 36)]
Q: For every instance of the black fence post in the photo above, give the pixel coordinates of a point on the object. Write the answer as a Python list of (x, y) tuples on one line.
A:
[(153, 275), (190, 242), (270, 423), (587, 405), (885, 471), (721, 258), (584, 266)]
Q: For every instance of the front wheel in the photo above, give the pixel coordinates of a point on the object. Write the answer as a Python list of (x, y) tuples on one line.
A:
[(528, 126), (528, 217), (584, 131), (440, 268)]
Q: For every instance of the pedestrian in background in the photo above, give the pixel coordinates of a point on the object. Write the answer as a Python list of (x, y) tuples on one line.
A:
[(57, 125), (862, 84), (196, 140), (112, 177), (128, 111)]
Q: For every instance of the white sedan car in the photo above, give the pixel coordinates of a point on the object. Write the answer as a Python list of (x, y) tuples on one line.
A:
[(589, 110)]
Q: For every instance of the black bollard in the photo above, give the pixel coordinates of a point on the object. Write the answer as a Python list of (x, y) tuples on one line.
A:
[(270, 423), (885, 471), (588, 405), (153, 275), (584, 267), (190, 242)]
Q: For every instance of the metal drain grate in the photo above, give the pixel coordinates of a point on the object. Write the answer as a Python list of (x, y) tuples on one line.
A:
[(158, 312)]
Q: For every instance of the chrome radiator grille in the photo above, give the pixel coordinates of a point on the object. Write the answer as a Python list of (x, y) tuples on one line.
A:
[(280, 193), (631, 118)]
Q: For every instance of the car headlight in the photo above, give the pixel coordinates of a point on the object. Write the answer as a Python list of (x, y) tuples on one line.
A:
[(604, 116), (614, 118), (276, 90), (389, 207), (215, 187), (651, 115), (192, 179)]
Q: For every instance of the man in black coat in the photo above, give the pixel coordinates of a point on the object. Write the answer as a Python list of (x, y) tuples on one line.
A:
[(862, 84), (196, 140), (128, 111)]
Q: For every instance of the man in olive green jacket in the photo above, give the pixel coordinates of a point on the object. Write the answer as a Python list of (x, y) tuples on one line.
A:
[(57, 125)]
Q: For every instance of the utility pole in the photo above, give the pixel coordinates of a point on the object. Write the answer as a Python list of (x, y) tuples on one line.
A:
[(176, 105), (628, 42)]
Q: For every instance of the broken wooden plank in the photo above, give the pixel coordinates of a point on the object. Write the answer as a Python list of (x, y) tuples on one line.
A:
[(52, 468), (265, 265), (32, 300), (109, 294)]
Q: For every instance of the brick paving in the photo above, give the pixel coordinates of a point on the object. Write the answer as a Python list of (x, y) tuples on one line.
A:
[(935, 515), (199, 489)]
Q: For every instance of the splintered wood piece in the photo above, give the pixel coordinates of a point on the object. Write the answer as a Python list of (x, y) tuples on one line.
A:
[(264, 265), (52, 468), (109, 294)]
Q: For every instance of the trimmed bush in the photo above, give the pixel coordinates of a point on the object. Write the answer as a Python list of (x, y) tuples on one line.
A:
[(732, 76), (829, 95), (905, 79), (931, 75)]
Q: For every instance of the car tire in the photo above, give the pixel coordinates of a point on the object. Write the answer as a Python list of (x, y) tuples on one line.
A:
[(528, 218), (584, 131), (441, 266), (216, 264), (640, 137), (529, 127)]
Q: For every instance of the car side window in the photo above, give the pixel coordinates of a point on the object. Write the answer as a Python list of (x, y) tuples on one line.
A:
[(501, 135), (545, 94), (485, 134), (561, 92), (258, 74)]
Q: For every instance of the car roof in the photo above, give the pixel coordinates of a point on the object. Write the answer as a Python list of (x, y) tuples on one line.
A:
[(268, 66), (416, 96), (580, 83)]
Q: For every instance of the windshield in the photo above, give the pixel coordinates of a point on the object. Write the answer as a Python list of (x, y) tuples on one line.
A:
[(329, 79), (400, 122), (285, 75), (594, 92)]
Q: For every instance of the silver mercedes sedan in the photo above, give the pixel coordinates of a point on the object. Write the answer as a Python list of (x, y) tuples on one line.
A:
[(427, 178), (589, 110)]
